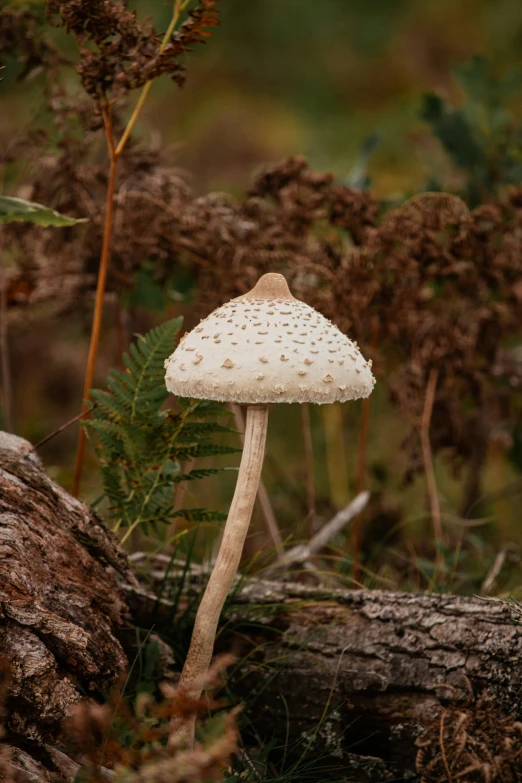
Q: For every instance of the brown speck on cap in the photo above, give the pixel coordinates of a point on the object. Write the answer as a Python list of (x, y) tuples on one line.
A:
[(228, 363), (328, 379)]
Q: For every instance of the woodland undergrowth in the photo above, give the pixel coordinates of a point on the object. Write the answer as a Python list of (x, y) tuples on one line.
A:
[(431, 288)]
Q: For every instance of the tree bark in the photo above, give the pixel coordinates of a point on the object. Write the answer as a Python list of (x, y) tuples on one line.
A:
[(373, 666), (358, 673), (60, 603)]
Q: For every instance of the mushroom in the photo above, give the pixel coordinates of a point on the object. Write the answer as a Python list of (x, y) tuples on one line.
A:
[(265, 347)]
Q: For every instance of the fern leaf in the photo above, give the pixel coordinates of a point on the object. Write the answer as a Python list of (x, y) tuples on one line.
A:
[(141, 446)]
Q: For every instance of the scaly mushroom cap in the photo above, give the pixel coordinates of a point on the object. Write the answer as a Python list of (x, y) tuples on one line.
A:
[(267, 346)]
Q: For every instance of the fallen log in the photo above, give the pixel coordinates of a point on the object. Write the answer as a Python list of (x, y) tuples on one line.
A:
[(374, 666), (357, 675), (361, 673), (60, 604)]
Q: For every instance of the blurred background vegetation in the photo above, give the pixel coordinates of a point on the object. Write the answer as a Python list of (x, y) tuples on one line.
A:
[(319, 79), (361, 89)]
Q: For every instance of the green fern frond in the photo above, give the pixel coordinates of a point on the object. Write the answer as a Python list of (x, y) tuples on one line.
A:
[(200, 515), (200, 450), (142, 447), (194, 475)]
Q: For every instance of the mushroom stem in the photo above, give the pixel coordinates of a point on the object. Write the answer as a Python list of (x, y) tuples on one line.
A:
[(227, 562)]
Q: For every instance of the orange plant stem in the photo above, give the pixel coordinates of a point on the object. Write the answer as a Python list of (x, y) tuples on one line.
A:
[(98, 306), (115, 152)]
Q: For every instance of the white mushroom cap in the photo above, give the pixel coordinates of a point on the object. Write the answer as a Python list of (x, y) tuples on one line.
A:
[(267, 346)]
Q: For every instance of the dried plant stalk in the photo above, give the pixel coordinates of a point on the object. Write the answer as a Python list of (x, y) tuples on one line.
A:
[(433, 497), (336, 455), (115, 152), (309, 464), (361, 471), (98, 309)]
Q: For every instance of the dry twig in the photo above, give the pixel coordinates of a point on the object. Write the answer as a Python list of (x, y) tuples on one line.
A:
[(303, 552)]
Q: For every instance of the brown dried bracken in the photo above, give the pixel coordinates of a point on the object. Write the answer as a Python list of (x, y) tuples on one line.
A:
[(133, 742), (473, 744), (126, 53), (440, 285), (21, 37)]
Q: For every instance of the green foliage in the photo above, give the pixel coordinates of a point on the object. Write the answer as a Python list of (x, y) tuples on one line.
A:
[(142, 447), (481, 135), (146, 292), (12, 209), (154, 293)]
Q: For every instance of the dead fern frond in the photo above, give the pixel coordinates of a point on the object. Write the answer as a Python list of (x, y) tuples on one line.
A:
[(474, 744), (133, 740)]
